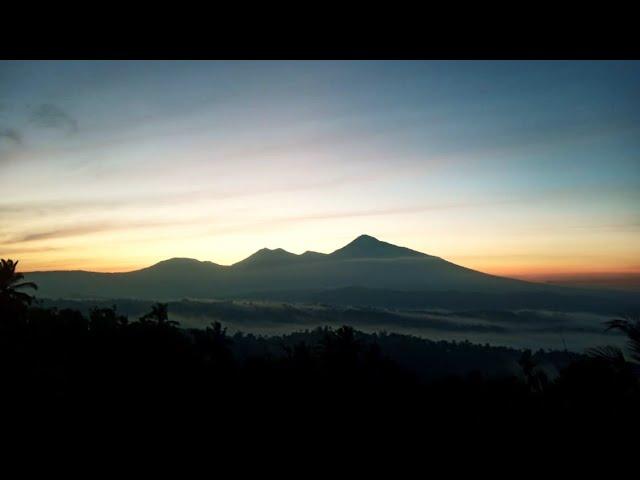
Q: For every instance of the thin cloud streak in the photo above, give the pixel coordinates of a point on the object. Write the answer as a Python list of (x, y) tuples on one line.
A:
[(51, 116), (11, 135), (358, 130), (356, 214), (90, 229), (4, 251), (152, 200), (93, 228)]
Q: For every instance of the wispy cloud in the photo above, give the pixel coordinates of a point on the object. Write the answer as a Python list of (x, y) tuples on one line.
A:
[(11, 135), (51, 116), (6, 251), (71, 231), (173, 198), (610, 227), (82, 229), (319, 216)]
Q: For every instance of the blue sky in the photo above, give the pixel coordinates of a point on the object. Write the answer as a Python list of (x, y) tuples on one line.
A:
[(514, 168)]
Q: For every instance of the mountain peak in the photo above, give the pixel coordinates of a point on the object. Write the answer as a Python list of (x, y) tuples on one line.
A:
[(364, 238), (267, 256), (178, 261), (366, 246), (176, 264)]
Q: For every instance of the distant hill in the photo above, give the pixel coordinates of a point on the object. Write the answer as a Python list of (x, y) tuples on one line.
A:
[(366, 268), (268, 258)]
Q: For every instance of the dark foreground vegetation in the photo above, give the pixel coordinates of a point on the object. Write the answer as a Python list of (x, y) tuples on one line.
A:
[(104, 366)]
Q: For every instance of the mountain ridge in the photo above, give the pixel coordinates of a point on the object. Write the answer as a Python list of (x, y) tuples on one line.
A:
[(365, 263), (363, 246)]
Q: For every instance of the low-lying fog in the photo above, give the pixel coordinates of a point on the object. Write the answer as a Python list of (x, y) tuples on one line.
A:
[(520, 329)]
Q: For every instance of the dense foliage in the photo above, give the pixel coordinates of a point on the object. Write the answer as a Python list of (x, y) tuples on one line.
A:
[(64, 360)]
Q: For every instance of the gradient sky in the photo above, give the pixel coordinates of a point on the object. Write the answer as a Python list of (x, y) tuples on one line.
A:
[(513, 168)]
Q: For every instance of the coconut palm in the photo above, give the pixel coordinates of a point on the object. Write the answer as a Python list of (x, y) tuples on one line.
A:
[(630, 325), (11, 283), (159, 314)]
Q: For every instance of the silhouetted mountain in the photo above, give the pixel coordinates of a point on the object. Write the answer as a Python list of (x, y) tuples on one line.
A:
[(267, 258), (309, 255), (178, 265), (366, 246), (378, 269)]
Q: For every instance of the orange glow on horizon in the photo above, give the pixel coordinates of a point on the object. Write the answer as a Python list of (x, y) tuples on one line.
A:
[(530, 271)]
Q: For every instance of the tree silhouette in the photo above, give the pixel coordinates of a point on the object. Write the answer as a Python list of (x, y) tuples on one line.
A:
[(630, 325), (159, 315), (536, 379), (106, 319), (217, 334), (340, 350), (10, 285), (217, 344)]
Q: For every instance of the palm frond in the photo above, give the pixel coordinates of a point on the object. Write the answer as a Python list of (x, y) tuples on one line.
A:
[(629, 324), (22, 297), (606, 352), (25, 285), (618, 324)]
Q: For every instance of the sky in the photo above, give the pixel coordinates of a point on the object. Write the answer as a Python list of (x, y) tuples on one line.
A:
[(525, 169)]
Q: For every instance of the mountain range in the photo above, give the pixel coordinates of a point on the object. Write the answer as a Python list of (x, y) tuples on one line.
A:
[(366, 270)]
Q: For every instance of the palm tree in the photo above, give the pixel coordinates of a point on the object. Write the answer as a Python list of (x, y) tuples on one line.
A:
[(341, 348), (217, 341), (630, 325), (159, 314), (10, 284), (217, 334)]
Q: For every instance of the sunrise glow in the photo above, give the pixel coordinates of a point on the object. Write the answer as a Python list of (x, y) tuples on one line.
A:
[(522, 169)]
